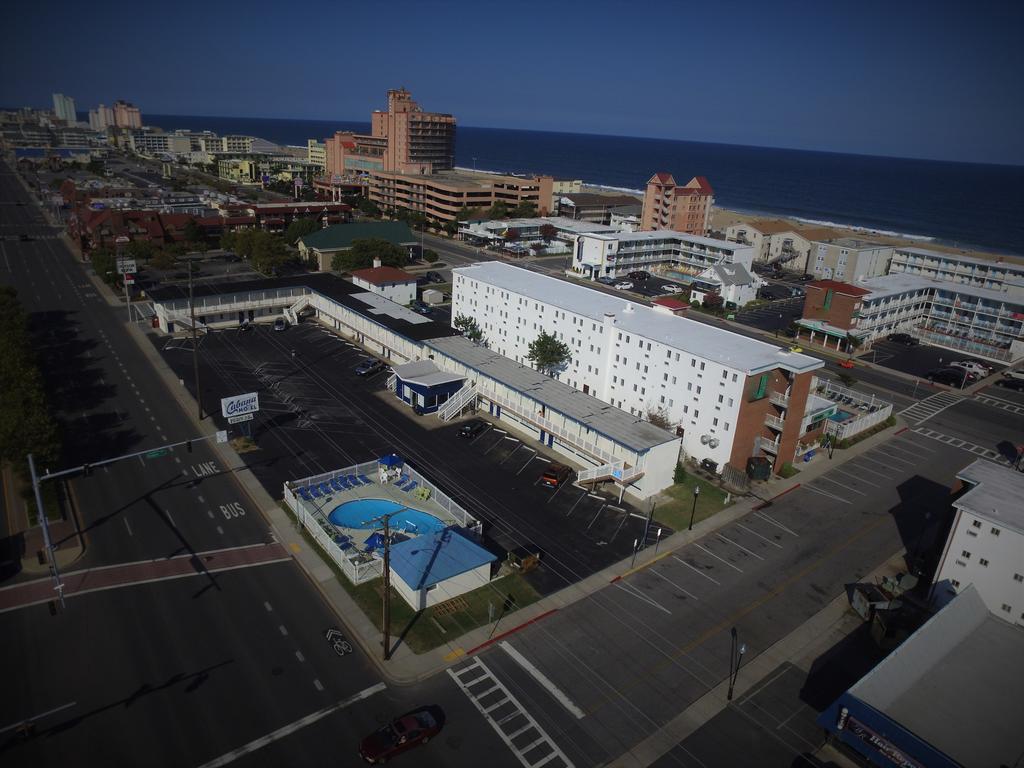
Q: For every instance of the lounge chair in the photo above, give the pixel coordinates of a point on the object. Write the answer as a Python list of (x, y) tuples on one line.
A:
[(353, 481), (339, 485), (304, 493), (314, 491), (325, 489), (365, 480), (410, 487), (402, 480)]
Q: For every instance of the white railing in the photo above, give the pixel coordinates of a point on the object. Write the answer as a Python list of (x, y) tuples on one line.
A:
[(185, 319), (779, 398), (858, 424), (966, 345), (454, 404), (616, 470), (770, 446), (774, 422), (291, 313), (550, 427), (392, 380)]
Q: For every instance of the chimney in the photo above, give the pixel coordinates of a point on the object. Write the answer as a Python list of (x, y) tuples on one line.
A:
[(376, 263)]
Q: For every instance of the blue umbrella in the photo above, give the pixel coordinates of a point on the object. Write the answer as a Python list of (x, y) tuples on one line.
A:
[(391, 460)]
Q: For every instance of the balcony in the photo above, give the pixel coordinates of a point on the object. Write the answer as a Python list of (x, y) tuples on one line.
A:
[(779, 398), (774, 422), (768, 446)]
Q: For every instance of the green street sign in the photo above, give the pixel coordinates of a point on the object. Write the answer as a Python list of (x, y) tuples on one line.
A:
[(157, 453)]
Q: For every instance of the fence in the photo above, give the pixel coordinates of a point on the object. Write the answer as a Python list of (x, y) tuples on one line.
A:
[(870, 411)]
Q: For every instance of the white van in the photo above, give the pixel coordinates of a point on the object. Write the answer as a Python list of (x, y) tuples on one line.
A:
[(979, 370)]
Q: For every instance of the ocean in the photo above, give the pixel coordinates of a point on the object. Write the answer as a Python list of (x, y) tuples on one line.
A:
[(963, 204)]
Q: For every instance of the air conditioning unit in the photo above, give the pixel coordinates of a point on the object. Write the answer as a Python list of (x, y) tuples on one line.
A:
[(704, 439), (713, 442)]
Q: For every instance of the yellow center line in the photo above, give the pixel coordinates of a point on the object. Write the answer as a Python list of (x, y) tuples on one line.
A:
[(645, 677)]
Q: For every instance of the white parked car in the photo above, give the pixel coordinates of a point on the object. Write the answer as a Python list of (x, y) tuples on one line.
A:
[(671, 288), (623, 285), (979, 370)]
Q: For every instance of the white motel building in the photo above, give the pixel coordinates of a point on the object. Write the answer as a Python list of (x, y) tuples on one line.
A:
[(731, 397)]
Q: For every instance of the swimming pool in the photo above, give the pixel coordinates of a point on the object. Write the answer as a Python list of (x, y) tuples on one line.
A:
[(365, 513), (840, 416)]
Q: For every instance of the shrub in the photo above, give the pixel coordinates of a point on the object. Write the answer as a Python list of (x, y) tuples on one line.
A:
[(679, 476), (788, 470)]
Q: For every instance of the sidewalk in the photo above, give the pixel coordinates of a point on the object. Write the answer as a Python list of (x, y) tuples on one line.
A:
[(800, 647)]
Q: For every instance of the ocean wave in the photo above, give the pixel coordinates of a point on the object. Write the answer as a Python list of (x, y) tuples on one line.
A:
[(594, 185), (860, 228), (610, 188)]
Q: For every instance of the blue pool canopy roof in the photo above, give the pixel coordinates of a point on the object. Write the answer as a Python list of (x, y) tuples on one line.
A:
[(428, 560)]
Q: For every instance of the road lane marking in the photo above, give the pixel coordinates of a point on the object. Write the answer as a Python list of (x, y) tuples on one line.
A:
[(559, 695), (127, 526), (737, 544), (750, 530), (775, 522), (220, 530), (702, 547), (696, 570), (268, 606), (666, 578), (299, 656), (836, 482), (40, 716), (631, 590), (171, 519), (824, 493), (865, 469), (291, 728), (318, 685)]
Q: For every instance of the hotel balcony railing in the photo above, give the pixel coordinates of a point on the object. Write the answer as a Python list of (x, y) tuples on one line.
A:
[(774, 422), (768, 446), (778, 398)]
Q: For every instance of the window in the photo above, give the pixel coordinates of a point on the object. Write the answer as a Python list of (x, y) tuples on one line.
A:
[(721, 398), (725, 374), (976, 523), (995, 531), (727, 426), (702, 366), (1006, 608), (714, 422), (734, 377), (965, 555), (983, 562), (1018, 577)]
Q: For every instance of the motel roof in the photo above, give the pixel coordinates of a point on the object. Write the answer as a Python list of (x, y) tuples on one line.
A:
[(702, 340), (424, 373), (996, 494), (427, 560), (837, 286), (384, 275), (948, 684), (902, 282), (615, 424)]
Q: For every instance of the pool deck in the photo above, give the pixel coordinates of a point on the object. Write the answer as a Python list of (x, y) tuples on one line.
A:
[(375, 490)]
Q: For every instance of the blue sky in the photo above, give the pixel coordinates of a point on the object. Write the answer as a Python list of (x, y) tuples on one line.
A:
[(908, 78)]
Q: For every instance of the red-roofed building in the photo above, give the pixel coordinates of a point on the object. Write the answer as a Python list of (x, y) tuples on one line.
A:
[(390, 282), (831, 310), (670, 305), (111, 228), (681, 209)]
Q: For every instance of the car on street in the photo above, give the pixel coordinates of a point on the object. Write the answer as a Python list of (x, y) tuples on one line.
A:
[(472, 428), (902, 338), (796, 348), (1014, 375), (245, 325), (639, 275), (606, 280), (280, 324), (434, 277), (1016, 385), (401, 734), (953, 377), (978, 369), (805, 278), (623, 285), (671, 288), (419, 306), (555, 475), (846, 363), (369, 367)]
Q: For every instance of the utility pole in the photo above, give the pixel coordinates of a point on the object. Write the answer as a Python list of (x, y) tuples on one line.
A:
[(195, 343), (387, 589), (58, 585)]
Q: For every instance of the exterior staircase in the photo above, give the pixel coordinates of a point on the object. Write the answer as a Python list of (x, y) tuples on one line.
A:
[(291, 314), (617, 471), (454, 405)]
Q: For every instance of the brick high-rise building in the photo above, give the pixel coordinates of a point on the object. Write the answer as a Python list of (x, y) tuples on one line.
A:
[(681, 209)]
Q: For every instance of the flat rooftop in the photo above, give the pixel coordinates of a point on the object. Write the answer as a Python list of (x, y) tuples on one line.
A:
[(902, 282), (996, 496), (561, 222), (701, 340), (615, 424), (994, 261), (949, 684), (668, 234), (855, 242)]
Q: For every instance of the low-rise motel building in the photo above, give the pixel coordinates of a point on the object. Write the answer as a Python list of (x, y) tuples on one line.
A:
[(728, 397)]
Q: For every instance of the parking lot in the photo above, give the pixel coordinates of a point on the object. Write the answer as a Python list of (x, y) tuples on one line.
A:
[(917, 360), (316, 415), (775, 316)]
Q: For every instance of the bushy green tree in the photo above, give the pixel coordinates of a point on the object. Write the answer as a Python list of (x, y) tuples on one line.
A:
[(363, 252), (548, 353), (525, 210), (497, 211), (548, 232), (430, 256), (300, 228), (469, 327), (193, 232), (105, 265), (268, 253)]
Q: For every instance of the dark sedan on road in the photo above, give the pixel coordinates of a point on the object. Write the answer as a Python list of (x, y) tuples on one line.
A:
[(434, 277), (369, 367), (1015, 384), (472, 428), (399, 735), (953, 377)]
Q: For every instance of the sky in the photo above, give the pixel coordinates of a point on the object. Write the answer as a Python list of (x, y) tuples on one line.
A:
[(907, 78)]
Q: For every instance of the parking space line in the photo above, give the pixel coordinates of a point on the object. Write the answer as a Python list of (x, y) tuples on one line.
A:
[(836, 482), (705, 549), (696, 570), (874, 461), (895, 458), (630, 589), (810, 487), (666, 578), (513, 453), (872, 471), (776, 523), (597, 515), (529, 461), (737, 544), (755, 533), (582, 496)]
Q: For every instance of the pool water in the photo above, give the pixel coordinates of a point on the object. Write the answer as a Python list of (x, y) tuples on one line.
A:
[(840, 416), (364, 514)]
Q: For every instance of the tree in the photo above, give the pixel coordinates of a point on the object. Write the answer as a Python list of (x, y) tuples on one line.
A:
[(713, 301), (853, 343), (244, 241), (511, 235), (193, 232), (104, 265), (141, 250), (227, 240), (498, 211), (451, 228), (430, 256), (525, 210), (268, 253), (299, 229), (363, 252), (469, 214), (468, 327), (548, 354), (368, 207), (548, 232), (163, 261), (659, 417), (95, 167)]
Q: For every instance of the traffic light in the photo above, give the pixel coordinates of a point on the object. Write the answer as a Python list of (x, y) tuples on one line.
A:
[(188, 446), (87, 470)]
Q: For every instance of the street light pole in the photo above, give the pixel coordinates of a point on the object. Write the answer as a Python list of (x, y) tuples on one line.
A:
[(735, 659), (51, 560), (693, 511), (387, 589)]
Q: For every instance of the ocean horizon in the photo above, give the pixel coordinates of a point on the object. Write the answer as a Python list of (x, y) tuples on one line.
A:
[(968, 205)]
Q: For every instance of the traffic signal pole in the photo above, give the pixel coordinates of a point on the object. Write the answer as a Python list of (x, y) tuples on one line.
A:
[(58, 585)]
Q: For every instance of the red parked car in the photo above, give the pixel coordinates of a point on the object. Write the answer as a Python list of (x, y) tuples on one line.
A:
[(399, 735)]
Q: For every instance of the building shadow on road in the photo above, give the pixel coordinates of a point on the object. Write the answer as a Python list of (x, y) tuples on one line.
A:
[(923, 518)]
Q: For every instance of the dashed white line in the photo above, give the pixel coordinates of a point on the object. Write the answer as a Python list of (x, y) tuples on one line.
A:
[(201, 499), (268, 606), (210, 513), (666, 578), (318, 685), (171, 519), (220, 530), (127, 526), (755, 533), (283, 630), (299, 656), (775, 522)]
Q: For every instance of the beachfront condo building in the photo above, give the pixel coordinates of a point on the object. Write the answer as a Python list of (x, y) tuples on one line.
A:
[(729, 397), (778, 242), (403, 139), (64, 108), (848, 259), (996, 274), (101, 118), (678, 254), (316, 153), (683, 209), (127, 115)]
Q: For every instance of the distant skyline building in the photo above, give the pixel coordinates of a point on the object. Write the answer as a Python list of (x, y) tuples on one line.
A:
[(101, 118), (64, 108), (681, 209), (403, 139), (127, 115)]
